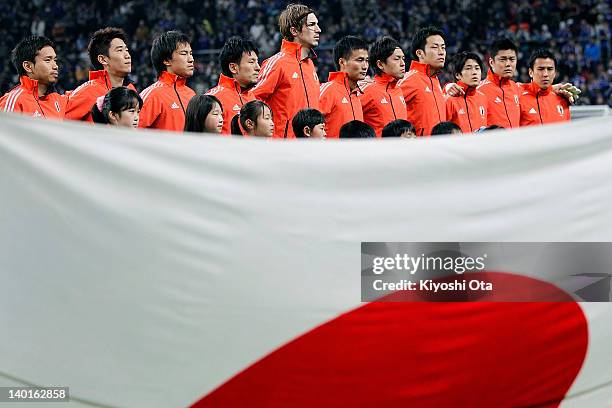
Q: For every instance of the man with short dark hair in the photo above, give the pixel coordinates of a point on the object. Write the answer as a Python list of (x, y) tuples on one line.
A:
[(339, 98), (425, 105), (539, 105), (468, 110), (110, 57), (382, 99), (288, 80), (503, 107), (35, 60), (165, 101), (239, 71)]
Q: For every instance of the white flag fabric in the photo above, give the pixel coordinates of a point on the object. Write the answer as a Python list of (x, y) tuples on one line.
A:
[(154, 269)]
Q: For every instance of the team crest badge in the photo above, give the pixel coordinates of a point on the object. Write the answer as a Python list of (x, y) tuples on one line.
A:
[(560, 110), (516, 99), (57, 106), (482, 110)]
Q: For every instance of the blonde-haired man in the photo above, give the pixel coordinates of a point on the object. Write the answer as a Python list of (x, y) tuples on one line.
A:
[(288, 80)]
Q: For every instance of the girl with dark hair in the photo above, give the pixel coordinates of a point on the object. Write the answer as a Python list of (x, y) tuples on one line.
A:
[(120, 107), (204, 113), (254, 119)]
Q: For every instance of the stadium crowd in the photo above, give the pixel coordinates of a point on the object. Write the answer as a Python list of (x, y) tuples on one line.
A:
[(577, 31)]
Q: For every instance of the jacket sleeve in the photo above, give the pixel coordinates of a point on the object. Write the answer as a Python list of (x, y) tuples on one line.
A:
[(269, 78), (3, 100), (366, 102), (63, 102), (151, 109), (79, 105), (449, 108), (14, 105), (326, 102), (409, 91)]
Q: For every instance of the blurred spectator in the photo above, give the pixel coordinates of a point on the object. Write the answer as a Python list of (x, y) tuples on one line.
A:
[(577, 30)]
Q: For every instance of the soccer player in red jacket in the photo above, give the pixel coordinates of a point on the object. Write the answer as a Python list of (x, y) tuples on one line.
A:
[(288, 80), (539, 105), (382, 100), (502, 92), (110, 57), (425, 106), (468, 110), (239, 71), (165, 101), (503, 107), (35, 60), (339, 100)]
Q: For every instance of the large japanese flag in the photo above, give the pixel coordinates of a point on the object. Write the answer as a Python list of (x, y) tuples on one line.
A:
[(148, 269)]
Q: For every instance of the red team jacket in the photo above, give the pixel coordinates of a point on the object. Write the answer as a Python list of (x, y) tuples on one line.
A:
[(287, 84), (539, 106), (24, 99), (503, 108), (382, 102), (425, 105), (232, 97), (339, 104), (468, 111), (83, 98), (164, 103)]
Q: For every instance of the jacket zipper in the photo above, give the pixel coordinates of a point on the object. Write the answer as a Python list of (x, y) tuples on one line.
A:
[(391, 100), (467, 110), (179, 98), (38, 103), (539, 110), (348, 88), (504, 102), (435, 100), (304, 83), (236, 86)]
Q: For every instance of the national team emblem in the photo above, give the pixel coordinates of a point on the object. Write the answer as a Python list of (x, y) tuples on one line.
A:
[(402, 99), (316, 77), (57, 106), (560, 110), (295, 75), (516, 99), (482, 110)]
